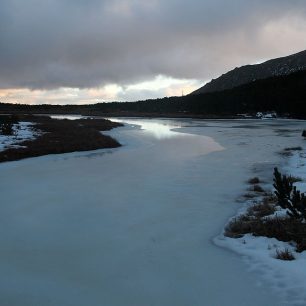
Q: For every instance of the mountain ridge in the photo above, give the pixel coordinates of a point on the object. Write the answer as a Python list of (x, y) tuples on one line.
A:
[(249, 73)]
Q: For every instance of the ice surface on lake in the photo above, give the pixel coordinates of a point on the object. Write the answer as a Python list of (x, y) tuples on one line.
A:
[(134, 225), (159, 130)]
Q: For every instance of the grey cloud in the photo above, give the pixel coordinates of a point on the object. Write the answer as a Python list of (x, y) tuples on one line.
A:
[(69, 43)]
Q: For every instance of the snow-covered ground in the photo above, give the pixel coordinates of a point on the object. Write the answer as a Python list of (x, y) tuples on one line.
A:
[(22, 131), (134, 225)]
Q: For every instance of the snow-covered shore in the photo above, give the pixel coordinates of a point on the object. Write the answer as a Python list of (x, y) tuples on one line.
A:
[(22, 131), (288, 278)]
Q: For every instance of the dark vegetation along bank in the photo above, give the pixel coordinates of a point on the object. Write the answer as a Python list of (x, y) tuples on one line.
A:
[(58, 136), (260, 220), (285, 95)]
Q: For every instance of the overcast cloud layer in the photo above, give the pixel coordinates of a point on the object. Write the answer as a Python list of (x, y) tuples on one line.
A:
[(52, 44)]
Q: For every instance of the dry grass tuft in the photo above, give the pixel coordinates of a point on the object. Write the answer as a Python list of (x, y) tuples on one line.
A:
[(254, 180), (294, 149), (284, 229), (263, 209), (284, 255), (250, 195), (257, 188), (256, 222), (259, 220)]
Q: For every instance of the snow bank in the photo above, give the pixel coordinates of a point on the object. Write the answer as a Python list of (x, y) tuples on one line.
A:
[(22, 131), (288, 278)]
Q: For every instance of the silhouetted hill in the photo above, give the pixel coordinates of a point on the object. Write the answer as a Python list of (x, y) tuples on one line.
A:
[(249, 73), (284, 94)]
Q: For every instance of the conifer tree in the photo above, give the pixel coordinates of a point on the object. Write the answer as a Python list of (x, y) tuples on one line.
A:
[(289, 197)]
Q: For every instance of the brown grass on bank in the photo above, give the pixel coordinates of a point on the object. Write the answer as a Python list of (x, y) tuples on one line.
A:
[(254, 180), (248, 222), (250, 195), (293, 149), (257, 188), (256, 222), (63, 136), (284, 255), (263, 209)]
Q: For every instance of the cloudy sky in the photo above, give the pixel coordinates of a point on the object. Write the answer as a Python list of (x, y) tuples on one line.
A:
[(88, 51)]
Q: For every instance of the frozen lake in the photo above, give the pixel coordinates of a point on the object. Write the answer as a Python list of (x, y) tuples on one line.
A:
[(133, 226)]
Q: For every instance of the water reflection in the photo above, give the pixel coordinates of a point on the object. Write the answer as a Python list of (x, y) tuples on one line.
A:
[(175, 145), (157, 129)]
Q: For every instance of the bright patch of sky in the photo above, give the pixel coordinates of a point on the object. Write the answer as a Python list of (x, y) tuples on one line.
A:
[(158, 87)]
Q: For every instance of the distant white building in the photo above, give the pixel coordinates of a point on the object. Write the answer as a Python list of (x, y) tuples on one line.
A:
[(267, 115)]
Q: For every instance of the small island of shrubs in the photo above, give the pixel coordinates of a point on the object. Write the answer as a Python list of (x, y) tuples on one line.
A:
[(57, 136)]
